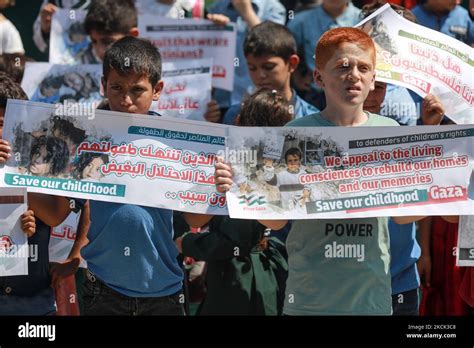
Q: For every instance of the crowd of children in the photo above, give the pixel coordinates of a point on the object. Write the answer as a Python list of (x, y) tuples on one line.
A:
[(298, 64)]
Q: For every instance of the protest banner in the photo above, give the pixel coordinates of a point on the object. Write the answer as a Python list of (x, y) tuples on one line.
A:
[(187, 89), (55, 83), (423, 60), (194, 39), (14, 248), (116, 157), (62, 239), (345, 172), (465, 254), (69, 42)]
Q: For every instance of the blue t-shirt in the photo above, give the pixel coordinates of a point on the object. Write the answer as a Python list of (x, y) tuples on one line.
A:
[(402, 105), (405, 252), (308, 26), (131, 249), (457, 23), (266, 10), (301, 108)]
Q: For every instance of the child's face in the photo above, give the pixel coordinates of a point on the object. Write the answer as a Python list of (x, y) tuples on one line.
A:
[(374, 100), (270, 71), (39, 165), (440, 6), (74, 80), (92, 170), (348, 76), (132, 93), (293, 163), (100, 42)]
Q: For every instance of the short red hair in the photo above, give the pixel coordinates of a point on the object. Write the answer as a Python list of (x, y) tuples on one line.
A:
[(332, 39)]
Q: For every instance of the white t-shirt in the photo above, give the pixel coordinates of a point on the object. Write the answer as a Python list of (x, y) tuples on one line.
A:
[(10, 39)]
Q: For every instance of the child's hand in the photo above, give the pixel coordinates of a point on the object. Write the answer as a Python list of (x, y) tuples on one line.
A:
[(28, 223), (424, 269), (46, 15), (213, 112), (432, 110), (5, 151), (218, 19), (223, 176)]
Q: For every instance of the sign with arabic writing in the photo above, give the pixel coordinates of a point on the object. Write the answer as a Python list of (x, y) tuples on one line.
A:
[(191, 39), (187, 89), (116, 157), (423, 60)]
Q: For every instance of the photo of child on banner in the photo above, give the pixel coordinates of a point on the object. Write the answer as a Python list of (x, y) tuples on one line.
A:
[(69, 42), (54, 83)]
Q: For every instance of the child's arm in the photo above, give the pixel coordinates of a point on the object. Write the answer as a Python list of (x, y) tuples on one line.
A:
[(245, 9), (424, 262), (28, 223), (52, 210), (71, 264)]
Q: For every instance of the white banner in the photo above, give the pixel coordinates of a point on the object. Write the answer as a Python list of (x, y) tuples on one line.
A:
[(194, 39), (69, 42), (345, 172), (54, 83), (14, 249), (117, 157), (465, 254), (187, 89), (423, 60)]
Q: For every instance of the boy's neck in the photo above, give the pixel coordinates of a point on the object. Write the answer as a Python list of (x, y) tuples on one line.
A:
[(346, 117), (334, 10), (287, 93)]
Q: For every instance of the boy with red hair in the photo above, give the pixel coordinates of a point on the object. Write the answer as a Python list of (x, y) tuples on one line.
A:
[(318, 282)]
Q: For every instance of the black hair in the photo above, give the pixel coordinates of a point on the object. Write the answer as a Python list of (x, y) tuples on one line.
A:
[(68, 130), (294, 151), (76, 28), (9, 89), (51, 81), (84, 160), (270, 38), (130, 54), (265, 108), (57, 152), (111, 16), (14, 65)]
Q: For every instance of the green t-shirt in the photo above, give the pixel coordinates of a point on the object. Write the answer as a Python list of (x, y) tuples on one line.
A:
[(339, 266)]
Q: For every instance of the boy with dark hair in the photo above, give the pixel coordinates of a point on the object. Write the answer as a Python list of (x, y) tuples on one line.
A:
[(317, 284), (147, 280), (31, 294), (270, 51), (108, 21)]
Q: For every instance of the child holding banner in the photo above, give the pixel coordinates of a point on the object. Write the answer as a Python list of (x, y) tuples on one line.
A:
[(270, 51), (247, 270), (130, 252), (318, 284), (31, 294)]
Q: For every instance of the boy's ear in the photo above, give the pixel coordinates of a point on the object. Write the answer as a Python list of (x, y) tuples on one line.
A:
[(318, 78), (134, 32), (372, 83), (157, 90), (104, 85), (293, 62)]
